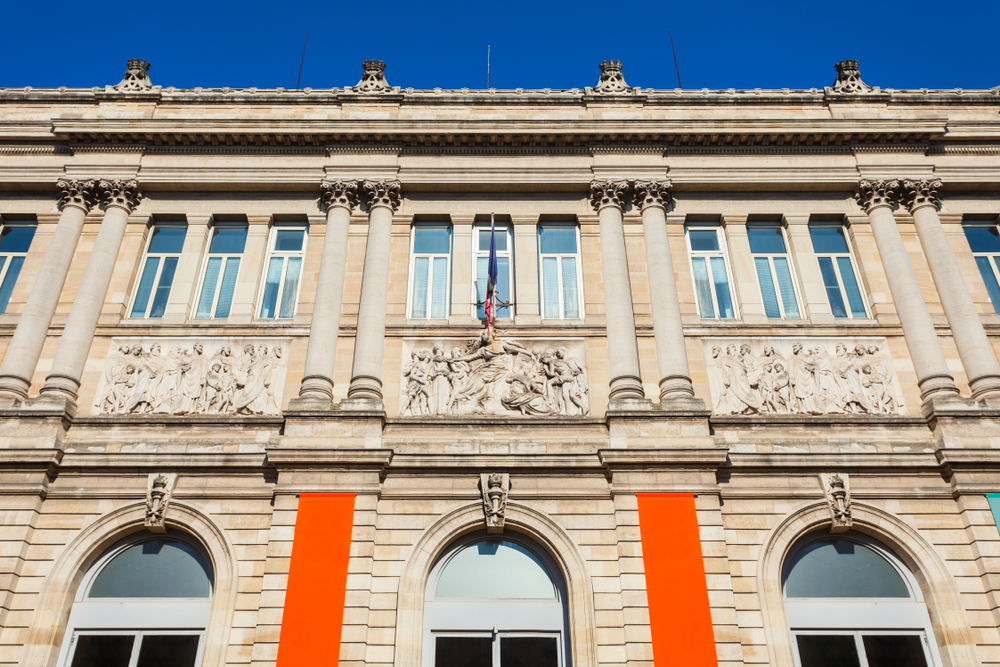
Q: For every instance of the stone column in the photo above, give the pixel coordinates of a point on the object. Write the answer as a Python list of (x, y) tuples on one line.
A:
[(652, 199), (525, 268), (78, 196), (966, 328), (608, 199), (366, 378), (340, 198), (877, 198), (120, 199)]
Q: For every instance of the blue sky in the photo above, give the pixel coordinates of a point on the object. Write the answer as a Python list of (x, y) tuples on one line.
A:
[(534, 44)]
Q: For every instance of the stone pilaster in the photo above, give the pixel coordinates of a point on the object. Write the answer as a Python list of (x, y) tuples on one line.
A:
[(816, 303), (747, 291), (182, 293), (462, 273), (527, 307)]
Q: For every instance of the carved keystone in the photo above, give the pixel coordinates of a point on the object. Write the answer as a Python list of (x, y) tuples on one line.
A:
[(495, 487), (159, 491), (837, 489)]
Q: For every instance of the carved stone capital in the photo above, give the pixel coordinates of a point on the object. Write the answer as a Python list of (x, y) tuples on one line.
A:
[(136, 77), (612, 80), (159, 491), (382, 192), (608, 193), (340, 193), (121, 193), (871, 195), (651, 193), (373, 78), (837, 489), (495, 487), (917, 194), (849, 79), (80, 193)]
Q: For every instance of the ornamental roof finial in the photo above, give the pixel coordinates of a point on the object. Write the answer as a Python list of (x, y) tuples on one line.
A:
[(849, 78), (136, 77)]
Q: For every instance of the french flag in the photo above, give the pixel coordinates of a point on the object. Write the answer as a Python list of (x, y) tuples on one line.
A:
[(491, 278)]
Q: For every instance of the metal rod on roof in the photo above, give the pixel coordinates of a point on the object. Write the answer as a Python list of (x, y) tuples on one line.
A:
[(487, 67), (303, 59), (679, 84)]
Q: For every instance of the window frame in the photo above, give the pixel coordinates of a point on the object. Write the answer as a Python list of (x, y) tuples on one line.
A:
[(509, 254), (159, 269), (440, 224), (836, 267), (204, 269), (770, 256), (578, 255), (993, 259), (272, 239), (722, 252), (9, 256)]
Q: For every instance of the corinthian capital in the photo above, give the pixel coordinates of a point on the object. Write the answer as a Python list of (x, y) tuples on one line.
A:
[(80, 193), (121, 193), (608, 193), (651, 193), (917, 194), (340, 193), (874, 194), (382, 193)]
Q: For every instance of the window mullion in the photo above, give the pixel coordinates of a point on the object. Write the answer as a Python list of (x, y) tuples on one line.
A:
[(218, 284), (136, 644), (155, 286), (842, 286), (281, 286)]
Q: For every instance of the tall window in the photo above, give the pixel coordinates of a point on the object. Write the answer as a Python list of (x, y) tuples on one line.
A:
[(222, 266), (711, 271), (774, 274), (504, 275), (985, 243), (839, 275), (559, 250), (158, 267), (145, 603), (15, 239), (280, 294), (430, 271)]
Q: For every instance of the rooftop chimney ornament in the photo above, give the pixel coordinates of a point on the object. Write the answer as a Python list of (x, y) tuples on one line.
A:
[(136, 77), (373, 80), (849, 79), (612, 81)]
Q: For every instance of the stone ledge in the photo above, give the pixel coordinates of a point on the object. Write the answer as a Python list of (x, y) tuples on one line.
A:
[(179, 420), (172, 460), (329, 458), (466, 462), (814, 461), (846, 420), (664, 458)]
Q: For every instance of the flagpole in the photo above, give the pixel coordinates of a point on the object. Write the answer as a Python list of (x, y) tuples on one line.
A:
[(493, 295)]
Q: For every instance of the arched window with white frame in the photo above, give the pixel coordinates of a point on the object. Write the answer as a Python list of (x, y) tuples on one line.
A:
[(144, 603), (850, 602)]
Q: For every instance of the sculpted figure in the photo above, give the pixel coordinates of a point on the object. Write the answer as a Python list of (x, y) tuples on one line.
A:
[(229, 388), (495, 356), (418, 384), (829, 398), (579, 391), (782, 384), (526, 396), (439, 375), (252, 400), (149, 368), (116, 382), (741, 398), (457, 376), (213, 387), (802, 381), (191, 383)]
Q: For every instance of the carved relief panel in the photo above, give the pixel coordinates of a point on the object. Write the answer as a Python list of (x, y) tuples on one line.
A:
[(494, 376), (809, 376), (182, 376)]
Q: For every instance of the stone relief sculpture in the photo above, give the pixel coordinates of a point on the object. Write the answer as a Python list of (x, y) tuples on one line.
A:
[(612, 80), (136, 77), (494, 375), (495, 487), (837, 489), (849, 79), (159, 491), (193, 378), (805, 379), (373, 78)]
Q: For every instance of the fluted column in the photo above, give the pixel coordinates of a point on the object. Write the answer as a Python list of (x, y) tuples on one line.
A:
[(921, 197), (340, 198), (120, 199), (366, 378), (608, 199), (652, 199), (76, 200), (878, 198)]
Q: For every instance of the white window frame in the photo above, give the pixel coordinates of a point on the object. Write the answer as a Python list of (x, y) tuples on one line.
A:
[(430, 273), (836, 267), (204, 268), (722, 252), (159, 269), (992, 257), (559, 273), (11, 255), (774, 274), (285, 254), (477, 254)]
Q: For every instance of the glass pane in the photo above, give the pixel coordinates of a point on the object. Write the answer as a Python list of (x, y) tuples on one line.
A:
[(832, 287), (289, 293), (785, 287), (421, 266), (990, 278), (167, 240), (571, 299), (529, 652), (495, 569), (432, 240), (163, 287), (503, 286), (851, 287), (16, 239), (828, 651), (439, 297), (463, 652), (271, 281), (482, 265), (893, 650), (842, 569), (145, 287), (702, 287), (703, 240), (484, 239), (168, 651), (229, 240), (983, 239), (766, 239), (828, 240), (9, 281), (154, 569), (557, 239), (550, 287), (722, 295), (228, 287), (208, 287), (103, 650), (767, 292), (289, 240)]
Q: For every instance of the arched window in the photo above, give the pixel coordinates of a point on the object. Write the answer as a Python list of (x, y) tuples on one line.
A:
[(851, 603), (495, 601), (144, 603)]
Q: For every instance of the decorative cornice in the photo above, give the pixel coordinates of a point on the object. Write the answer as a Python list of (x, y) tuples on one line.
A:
[(878, 193), (917, 194), (849, 79), (382, 192), (136, 77), (373, 79), (121, 193), (80, 193), (651, 193), (608, 193), (340, 193)]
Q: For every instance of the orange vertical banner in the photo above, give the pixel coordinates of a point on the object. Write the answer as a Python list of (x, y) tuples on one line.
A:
[(680, 619), (317, 581)]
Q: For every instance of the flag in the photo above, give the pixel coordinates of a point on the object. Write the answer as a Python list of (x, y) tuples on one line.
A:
[(491, 279)]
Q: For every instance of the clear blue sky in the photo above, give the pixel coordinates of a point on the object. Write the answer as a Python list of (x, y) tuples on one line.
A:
[(535, 44)]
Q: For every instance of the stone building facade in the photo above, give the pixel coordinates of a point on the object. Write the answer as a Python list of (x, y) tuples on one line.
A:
[(740, 407)]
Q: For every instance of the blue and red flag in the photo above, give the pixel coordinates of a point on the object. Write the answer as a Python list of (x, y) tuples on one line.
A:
[(491, 279)]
